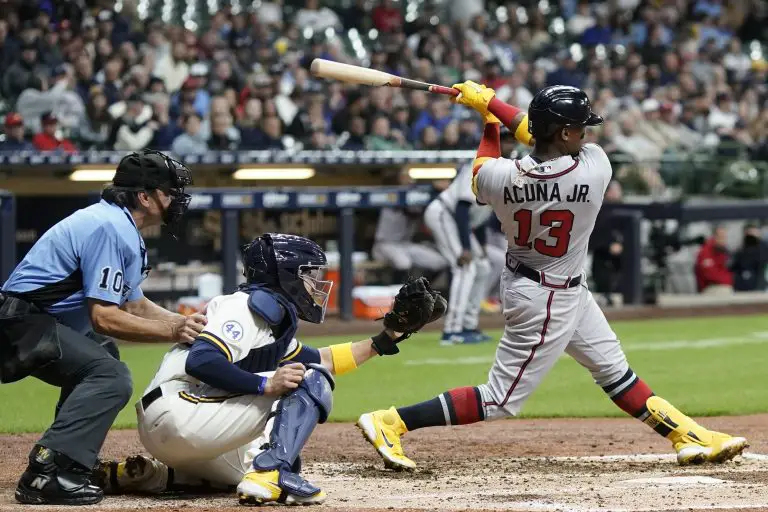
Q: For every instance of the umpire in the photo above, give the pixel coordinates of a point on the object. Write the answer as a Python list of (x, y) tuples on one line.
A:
[(79, 285)]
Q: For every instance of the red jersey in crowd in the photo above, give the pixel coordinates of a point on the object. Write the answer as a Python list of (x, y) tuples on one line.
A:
[(387, 18), (45, 142), (712, 265)]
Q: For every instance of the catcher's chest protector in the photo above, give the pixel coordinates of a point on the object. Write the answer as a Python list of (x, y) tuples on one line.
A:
[(282, 319)]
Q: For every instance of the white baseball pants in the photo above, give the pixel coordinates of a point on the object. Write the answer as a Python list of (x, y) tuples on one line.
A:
[(203, 439), (406, 255), (542, 322), (468, 282)]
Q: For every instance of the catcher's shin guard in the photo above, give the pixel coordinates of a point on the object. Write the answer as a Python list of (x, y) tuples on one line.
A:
[(693, 443), (295, 419)]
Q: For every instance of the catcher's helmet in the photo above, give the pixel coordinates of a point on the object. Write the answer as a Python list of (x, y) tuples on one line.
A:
[(559, 105), (292, 266)]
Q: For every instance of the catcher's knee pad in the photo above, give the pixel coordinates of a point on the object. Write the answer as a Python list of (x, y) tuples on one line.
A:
[(319, 384), (295, 418)]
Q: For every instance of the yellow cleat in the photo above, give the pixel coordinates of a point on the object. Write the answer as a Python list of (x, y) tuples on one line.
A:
[(260, 487), (383, 430), (693, 443)]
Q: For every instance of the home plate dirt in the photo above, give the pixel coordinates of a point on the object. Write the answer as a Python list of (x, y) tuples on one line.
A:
[(609, 465)]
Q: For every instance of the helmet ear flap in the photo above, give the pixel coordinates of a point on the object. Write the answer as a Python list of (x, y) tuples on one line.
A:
[(259, 263)]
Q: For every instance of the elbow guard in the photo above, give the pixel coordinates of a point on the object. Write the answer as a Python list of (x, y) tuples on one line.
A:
[(523, 133)]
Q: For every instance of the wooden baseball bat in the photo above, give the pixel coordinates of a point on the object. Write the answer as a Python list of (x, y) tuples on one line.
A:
[(364, 76)]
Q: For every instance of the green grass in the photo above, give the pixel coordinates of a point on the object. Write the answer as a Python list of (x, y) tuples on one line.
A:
[(724, 374)]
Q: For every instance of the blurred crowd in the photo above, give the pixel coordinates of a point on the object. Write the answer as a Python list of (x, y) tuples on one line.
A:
[(722, 271), (670, 76)]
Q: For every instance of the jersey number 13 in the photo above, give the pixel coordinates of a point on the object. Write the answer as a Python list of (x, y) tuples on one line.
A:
[(559, 222)]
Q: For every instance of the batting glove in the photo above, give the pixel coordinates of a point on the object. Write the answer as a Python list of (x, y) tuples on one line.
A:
[(477, 97)]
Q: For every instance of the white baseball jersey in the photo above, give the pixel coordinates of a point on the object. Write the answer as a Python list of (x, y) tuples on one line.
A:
[(395, 226), (203, 432), (232, 327), (460, 189), (548, 209)]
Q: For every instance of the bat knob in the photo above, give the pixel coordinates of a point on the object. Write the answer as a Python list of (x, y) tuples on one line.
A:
[(314, 68)]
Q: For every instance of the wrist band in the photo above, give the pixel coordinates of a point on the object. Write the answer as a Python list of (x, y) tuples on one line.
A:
[(384, 345), (343, 359), (262, 385)]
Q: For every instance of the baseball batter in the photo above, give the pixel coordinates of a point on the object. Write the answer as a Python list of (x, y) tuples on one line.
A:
[(547, 203), (237, 407), (451, 217)]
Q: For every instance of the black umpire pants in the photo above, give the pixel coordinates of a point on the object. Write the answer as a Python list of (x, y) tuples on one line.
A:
[(95, 386)]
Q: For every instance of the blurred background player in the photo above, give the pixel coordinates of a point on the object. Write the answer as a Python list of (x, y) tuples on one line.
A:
[(451, 217), (496, 250), (749, 262), (607, 247), (393, 243)]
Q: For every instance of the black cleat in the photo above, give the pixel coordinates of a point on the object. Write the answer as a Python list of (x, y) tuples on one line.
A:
[(52, 478)]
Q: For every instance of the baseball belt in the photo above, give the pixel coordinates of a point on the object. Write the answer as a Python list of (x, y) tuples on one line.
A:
[(540, 277), (151, 397)]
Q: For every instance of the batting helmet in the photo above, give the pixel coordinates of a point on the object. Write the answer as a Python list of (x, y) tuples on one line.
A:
[(292, 266), (559, 105)]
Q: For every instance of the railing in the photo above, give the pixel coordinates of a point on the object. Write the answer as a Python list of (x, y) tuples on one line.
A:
[(674, 176)]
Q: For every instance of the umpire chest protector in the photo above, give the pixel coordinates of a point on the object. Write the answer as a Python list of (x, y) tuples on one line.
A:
[(283, 320)]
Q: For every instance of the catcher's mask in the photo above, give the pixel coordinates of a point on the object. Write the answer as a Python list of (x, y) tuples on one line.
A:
[(293, 266), (151, 170)]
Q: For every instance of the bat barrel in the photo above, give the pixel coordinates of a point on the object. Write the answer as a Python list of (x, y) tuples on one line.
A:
[(365, 76)]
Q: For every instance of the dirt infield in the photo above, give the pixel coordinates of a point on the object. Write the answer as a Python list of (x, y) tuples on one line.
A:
[(606, 465)]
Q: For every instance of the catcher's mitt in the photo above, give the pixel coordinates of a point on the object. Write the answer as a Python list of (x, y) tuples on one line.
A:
[(416, 305)]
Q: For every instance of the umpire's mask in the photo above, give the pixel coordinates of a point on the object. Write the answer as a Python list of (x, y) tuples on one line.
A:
[(151, 170)]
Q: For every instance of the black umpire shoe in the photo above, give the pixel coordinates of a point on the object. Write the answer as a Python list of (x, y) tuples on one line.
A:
[(52, 478)]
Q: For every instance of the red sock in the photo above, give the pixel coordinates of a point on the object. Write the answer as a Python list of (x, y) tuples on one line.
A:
[(630, 393), (458, 406), (465, 405)]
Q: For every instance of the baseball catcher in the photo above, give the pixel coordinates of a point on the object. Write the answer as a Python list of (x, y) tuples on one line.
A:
[(237, 406)]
